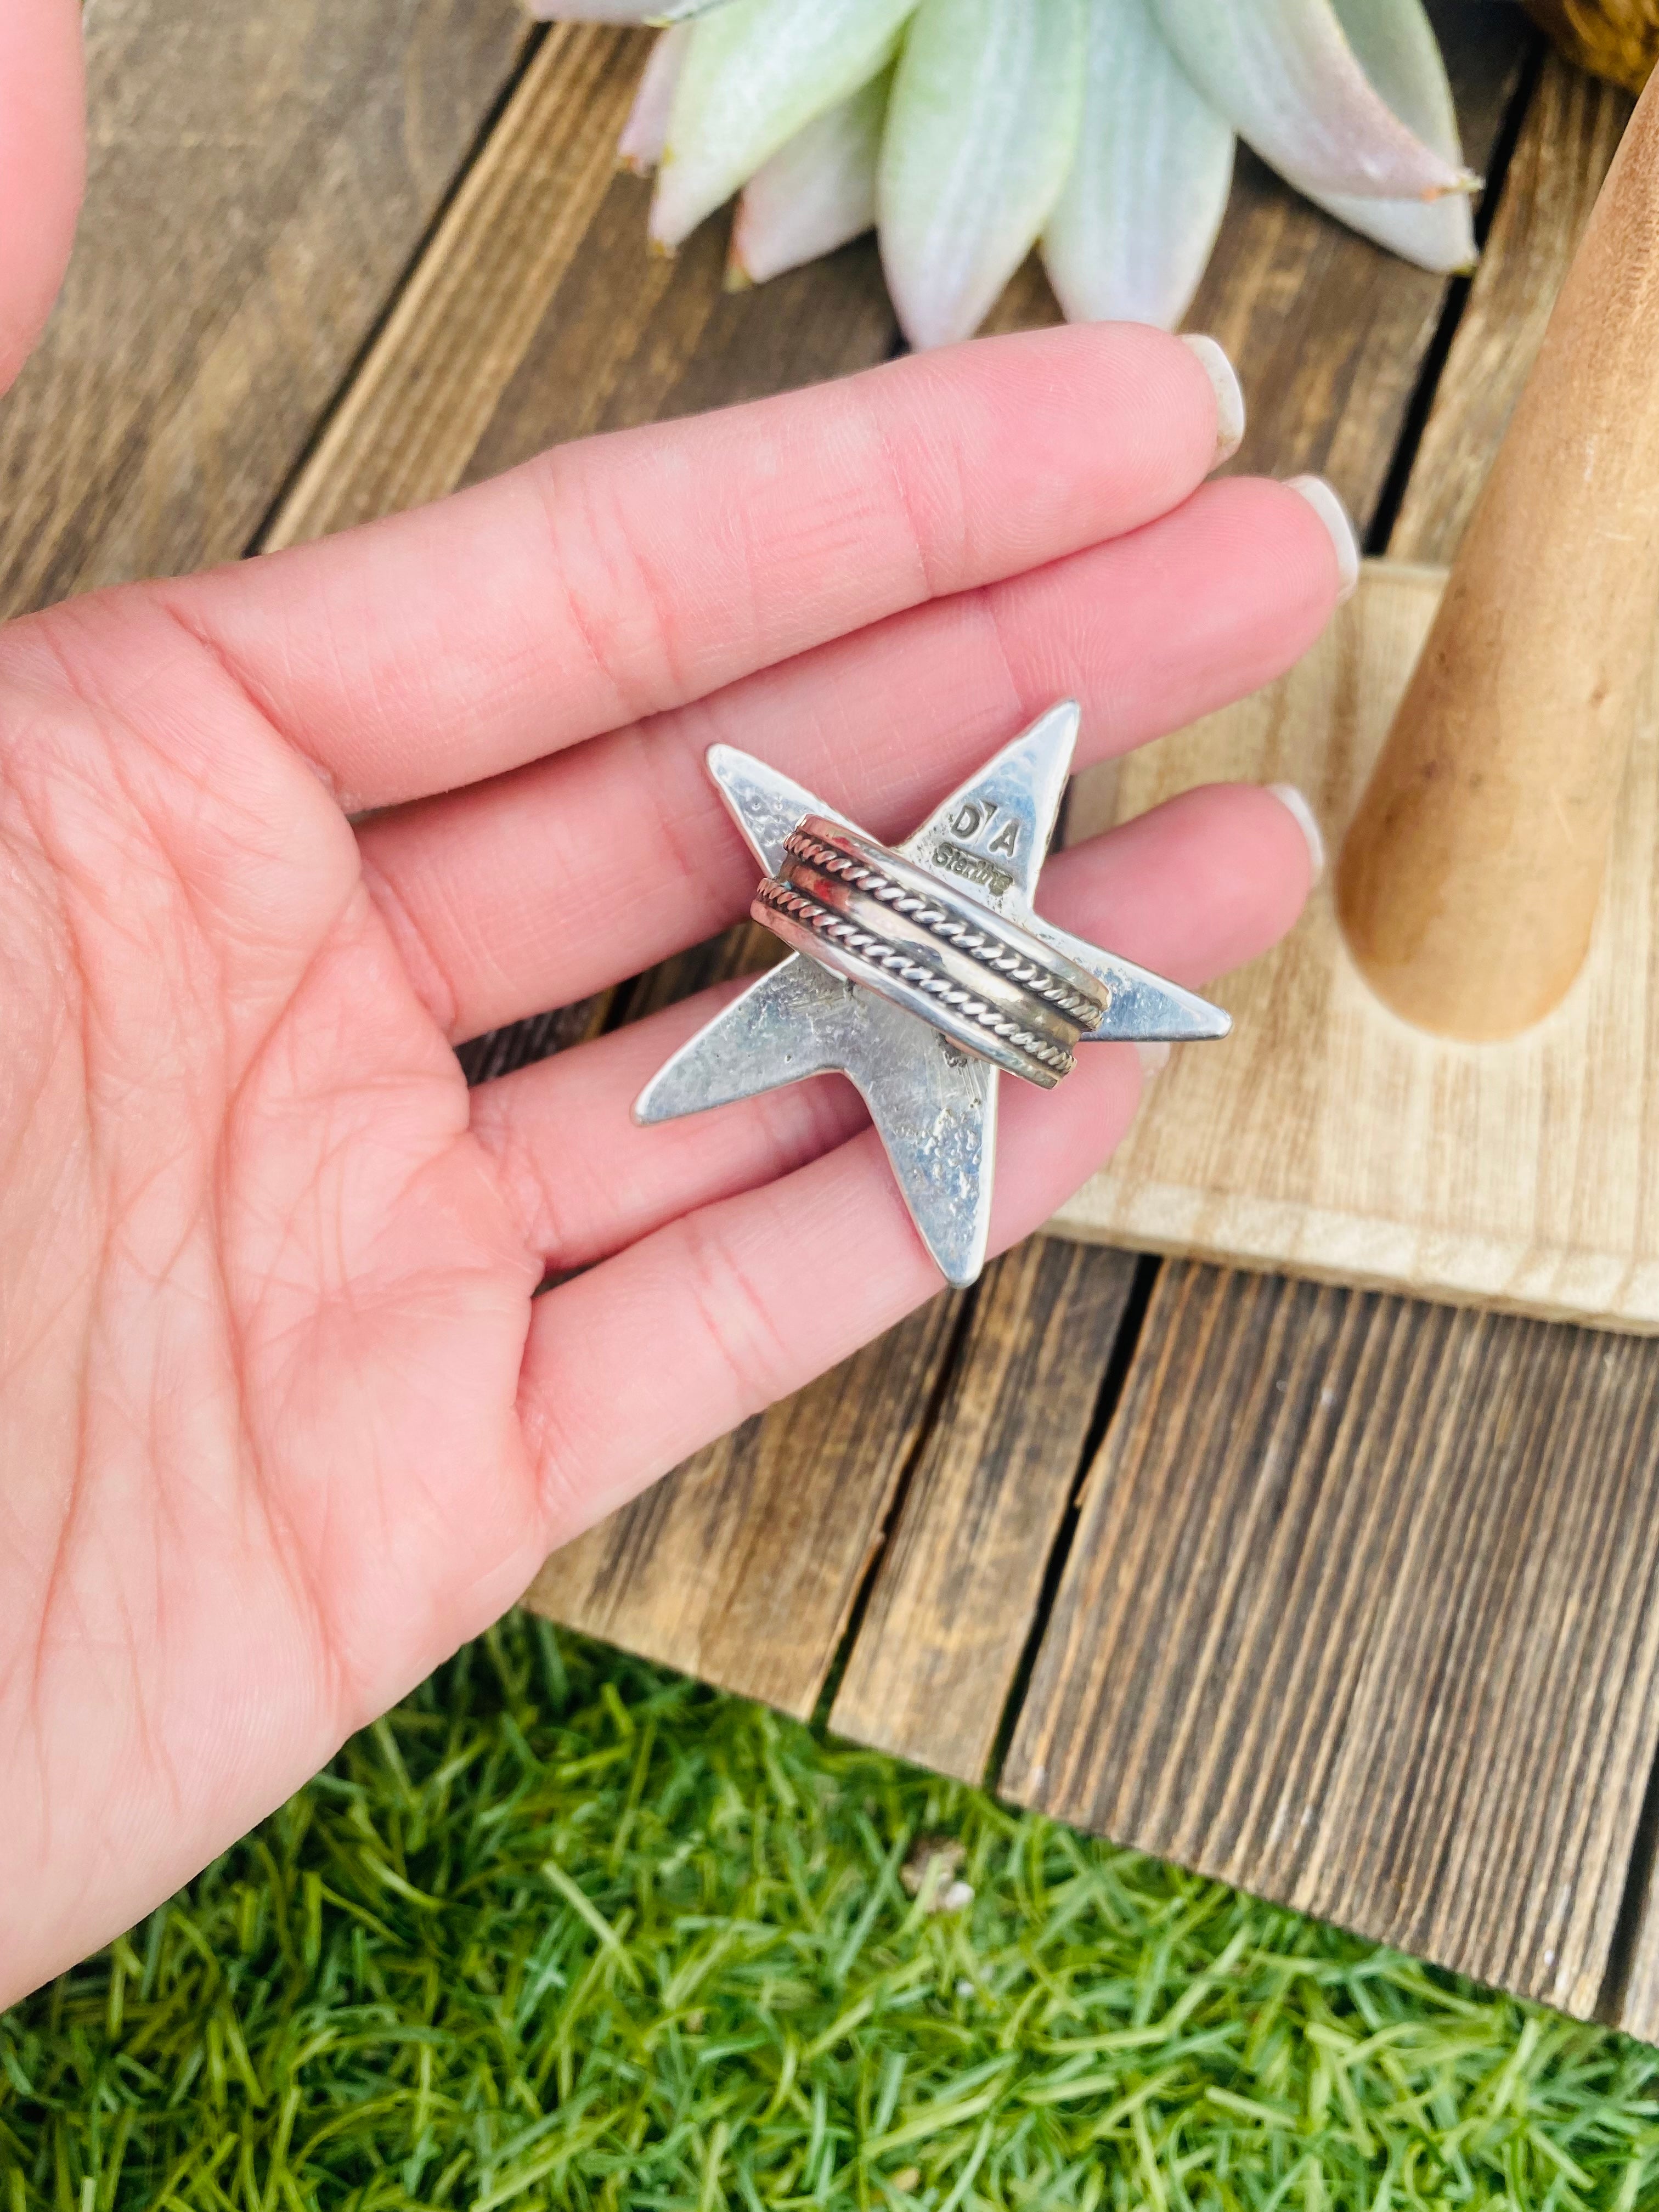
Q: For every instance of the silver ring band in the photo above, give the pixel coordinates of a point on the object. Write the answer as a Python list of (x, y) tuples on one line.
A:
[(979, 978), (976, 936)]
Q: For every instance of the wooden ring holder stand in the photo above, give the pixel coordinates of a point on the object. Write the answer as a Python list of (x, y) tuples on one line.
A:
[(1447, 1082)]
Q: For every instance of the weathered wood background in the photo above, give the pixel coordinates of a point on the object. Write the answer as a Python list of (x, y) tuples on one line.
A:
[(1347, 1599)]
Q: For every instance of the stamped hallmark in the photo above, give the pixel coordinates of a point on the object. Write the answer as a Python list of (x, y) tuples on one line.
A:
[(975, 867)]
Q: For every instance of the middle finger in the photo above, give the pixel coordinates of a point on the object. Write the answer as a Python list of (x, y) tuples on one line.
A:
[(564, 877)]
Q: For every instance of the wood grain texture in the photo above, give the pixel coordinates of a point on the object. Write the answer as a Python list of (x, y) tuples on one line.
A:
[(957, 1585), (1566, 143), (503, 1051), (258, 180), (744, 1565), (1362, 1614), (537, 313), (413, 417), (1327, 1137)]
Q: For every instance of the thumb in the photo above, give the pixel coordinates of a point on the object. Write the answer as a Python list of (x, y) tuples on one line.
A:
[(42, 165)]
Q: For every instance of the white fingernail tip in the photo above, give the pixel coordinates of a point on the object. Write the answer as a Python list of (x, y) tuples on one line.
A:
[(1327, 504), (1295, 805), (1154, 1057), (1229, 395)]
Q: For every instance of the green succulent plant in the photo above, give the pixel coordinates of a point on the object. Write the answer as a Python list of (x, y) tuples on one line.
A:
[(966, 131)]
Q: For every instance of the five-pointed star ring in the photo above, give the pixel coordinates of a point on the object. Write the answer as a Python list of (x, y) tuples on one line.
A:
[(921, 974)]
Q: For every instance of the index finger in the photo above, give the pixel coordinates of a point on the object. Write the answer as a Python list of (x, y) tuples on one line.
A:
[(607, 581)]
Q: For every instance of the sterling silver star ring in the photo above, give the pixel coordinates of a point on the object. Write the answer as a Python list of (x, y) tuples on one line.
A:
[(920, 975)]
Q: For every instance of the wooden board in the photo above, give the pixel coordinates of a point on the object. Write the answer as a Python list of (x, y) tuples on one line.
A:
[(259, 181), (1362, 1614), (1328, 1138), (940, 1646), (412, 419)]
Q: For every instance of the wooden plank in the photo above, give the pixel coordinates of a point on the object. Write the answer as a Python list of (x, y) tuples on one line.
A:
[(258, 184), (1362, 1615), (411, 421), (1571, 132), (940, 1644), (743, 1566), (538, 314), (525, 1042)]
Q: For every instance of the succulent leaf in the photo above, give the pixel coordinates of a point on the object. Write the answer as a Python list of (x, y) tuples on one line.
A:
[(646, 132), (1138, 218), (758, 71), (816, 194), (1396, 47), (1285, 74), (982, 132)]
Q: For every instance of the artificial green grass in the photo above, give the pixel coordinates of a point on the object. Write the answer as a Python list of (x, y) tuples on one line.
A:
[(563, 1930)]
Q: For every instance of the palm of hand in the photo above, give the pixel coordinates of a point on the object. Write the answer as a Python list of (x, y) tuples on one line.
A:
[(280, 1422), (266, 1304)]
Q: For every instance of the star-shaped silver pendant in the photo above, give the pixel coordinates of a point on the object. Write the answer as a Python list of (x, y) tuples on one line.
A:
[(929, 973)]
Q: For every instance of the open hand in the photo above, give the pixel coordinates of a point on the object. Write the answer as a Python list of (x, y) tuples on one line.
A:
[(280, 1426)]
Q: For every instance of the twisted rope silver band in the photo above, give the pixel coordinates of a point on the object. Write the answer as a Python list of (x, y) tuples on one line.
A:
[(784, 898), (950, 928)]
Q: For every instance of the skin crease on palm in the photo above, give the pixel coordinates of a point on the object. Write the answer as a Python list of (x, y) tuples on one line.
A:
[(280, 1425)]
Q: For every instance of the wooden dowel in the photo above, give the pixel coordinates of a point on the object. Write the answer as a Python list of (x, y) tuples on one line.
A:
[(1469, 879)]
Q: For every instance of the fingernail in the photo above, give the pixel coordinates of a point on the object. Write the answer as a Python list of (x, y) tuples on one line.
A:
[(1295, 805), (1328, 506), (1229, 396), (1154, 1057)]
